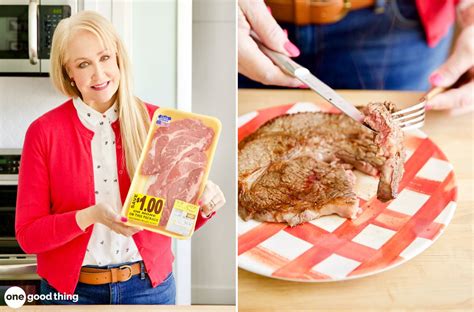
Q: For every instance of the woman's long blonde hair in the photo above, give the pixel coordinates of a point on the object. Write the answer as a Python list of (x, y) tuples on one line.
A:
[(133, 115)]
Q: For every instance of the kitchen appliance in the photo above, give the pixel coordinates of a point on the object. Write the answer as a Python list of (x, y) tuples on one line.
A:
[(15, 265), (26, 32)]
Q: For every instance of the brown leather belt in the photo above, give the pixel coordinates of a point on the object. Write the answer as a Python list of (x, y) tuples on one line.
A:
[(304, 12), (95, 276)]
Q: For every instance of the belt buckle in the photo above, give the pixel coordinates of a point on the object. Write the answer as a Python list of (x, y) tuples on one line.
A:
[(326, 17), (346, 7), (123, 267)]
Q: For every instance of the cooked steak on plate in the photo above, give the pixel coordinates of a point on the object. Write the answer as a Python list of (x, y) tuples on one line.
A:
[(390, 141), (296, 167)]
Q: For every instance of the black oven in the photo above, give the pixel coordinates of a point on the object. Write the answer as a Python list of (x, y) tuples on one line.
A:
[(8, 243), (16, 267), (9, 166)]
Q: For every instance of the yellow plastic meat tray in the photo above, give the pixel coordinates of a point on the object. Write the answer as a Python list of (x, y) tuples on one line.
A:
[(172, 172)]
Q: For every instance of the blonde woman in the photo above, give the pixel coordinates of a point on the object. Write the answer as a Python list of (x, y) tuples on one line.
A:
[(75, 173)]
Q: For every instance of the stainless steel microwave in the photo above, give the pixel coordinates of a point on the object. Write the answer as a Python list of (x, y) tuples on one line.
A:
[(26, 32)]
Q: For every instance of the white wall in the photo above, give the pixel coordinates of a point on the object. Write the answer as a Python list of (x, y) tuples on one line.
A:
[(154, 51), (214, 93), (22, 100)]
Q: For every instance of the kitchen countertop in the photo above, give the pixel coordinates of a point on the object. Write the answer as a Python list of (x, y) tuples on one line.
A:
[(439, 278), (136, 308)]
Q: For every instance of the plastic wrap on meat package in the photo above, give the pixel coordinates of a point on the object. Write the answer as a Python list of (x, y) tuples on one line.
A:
[(172, 172)]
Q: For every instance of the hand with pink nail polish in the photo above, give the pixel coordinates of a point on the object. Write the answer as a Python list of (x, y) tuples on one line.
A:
[(457, 73), (253, 63), (212, 199), (104, 213)]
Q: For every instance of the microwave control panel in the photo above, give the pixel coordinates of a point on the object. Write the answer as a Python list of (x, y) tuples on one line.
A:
[(9, 164), (50, 16)]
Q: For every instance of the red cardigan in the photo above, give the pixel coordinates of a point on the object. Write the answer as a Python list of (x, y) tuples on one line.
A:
[(55, 181), (437, 16)]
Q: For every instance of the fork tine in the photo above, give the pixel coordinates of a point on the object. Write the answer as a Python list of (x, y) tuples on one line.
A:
[(410, 119), (410, 109), (413, 126), (414, 123), (409, 116)]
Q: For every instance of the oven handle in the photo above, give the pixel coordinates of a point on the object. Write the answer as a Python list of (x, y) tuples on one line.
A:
[(19, 269), (8, 182), (33, 31), (17, 261)]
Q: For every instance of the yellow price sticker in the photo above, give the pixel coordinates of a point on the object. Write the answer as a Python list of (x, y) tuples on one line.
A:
[(146, 208)]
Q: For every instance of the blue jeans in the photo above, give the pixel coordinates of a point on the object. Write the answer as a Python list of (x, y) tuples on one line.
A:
[(366, 50), (137, 290)]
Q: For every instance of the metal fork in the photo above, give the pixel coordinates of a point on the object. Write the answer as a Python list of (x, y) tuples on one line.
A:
[(413, 117)]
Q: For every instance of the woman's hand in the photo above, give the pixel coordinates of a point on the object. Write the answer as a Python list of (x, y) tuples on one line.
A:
[(460, 98), (254, 16), (105, 214), (212, 199)]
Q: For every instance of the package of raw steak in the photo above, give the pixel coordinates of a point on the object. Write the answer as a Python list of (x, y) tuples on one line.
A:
[(172, 172)]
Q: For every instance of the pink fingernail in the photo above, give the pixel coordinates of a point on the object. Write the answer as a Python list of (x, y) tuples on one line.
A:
[(200, 202), (303, 86), (269, 9), (429, 105), (286, 32), (436, 79), (123, 219), (292, 49)]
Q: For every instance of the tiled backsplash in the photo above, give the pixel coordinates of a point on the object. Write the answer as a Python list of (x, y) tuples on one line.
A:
[(22, 100)]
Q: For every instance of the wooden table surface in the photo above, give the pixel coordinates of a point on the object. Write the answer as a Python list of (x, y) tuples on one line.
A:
[(127, 308), (441, 278)]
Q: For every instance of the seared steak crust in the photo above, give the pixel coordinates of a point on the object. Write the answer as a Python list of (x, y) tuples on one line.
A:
[(287, 192), (294, 168)]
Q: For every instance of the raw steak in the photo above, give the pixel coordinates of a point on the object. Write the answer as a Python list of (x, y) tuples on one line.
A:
[(177, 160), (295, 167)]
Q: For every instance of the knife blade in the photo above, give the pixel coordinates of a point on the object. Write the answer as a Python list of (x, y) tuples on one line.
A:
[(304, 75)]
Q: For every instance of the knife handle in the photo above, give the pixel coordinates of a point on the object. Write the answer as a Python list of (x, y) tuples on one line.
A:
[(465, 78), (281, 60)]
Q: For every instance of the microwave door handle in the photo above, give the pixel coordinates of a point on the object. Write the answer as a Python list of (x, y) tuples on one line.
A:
[(33, 31)]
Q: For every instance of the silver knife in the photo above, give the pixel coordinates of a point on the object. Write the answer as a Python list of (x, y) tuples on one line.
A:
[(304, 75)]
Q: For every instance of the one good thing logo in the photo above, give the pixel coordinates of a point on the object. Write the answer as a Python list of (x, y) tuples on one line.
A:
[(15, 297)]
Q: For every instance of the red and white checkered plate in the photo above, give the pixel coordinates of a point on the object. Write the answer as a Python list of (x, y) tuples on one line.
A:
[(383, 236)]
